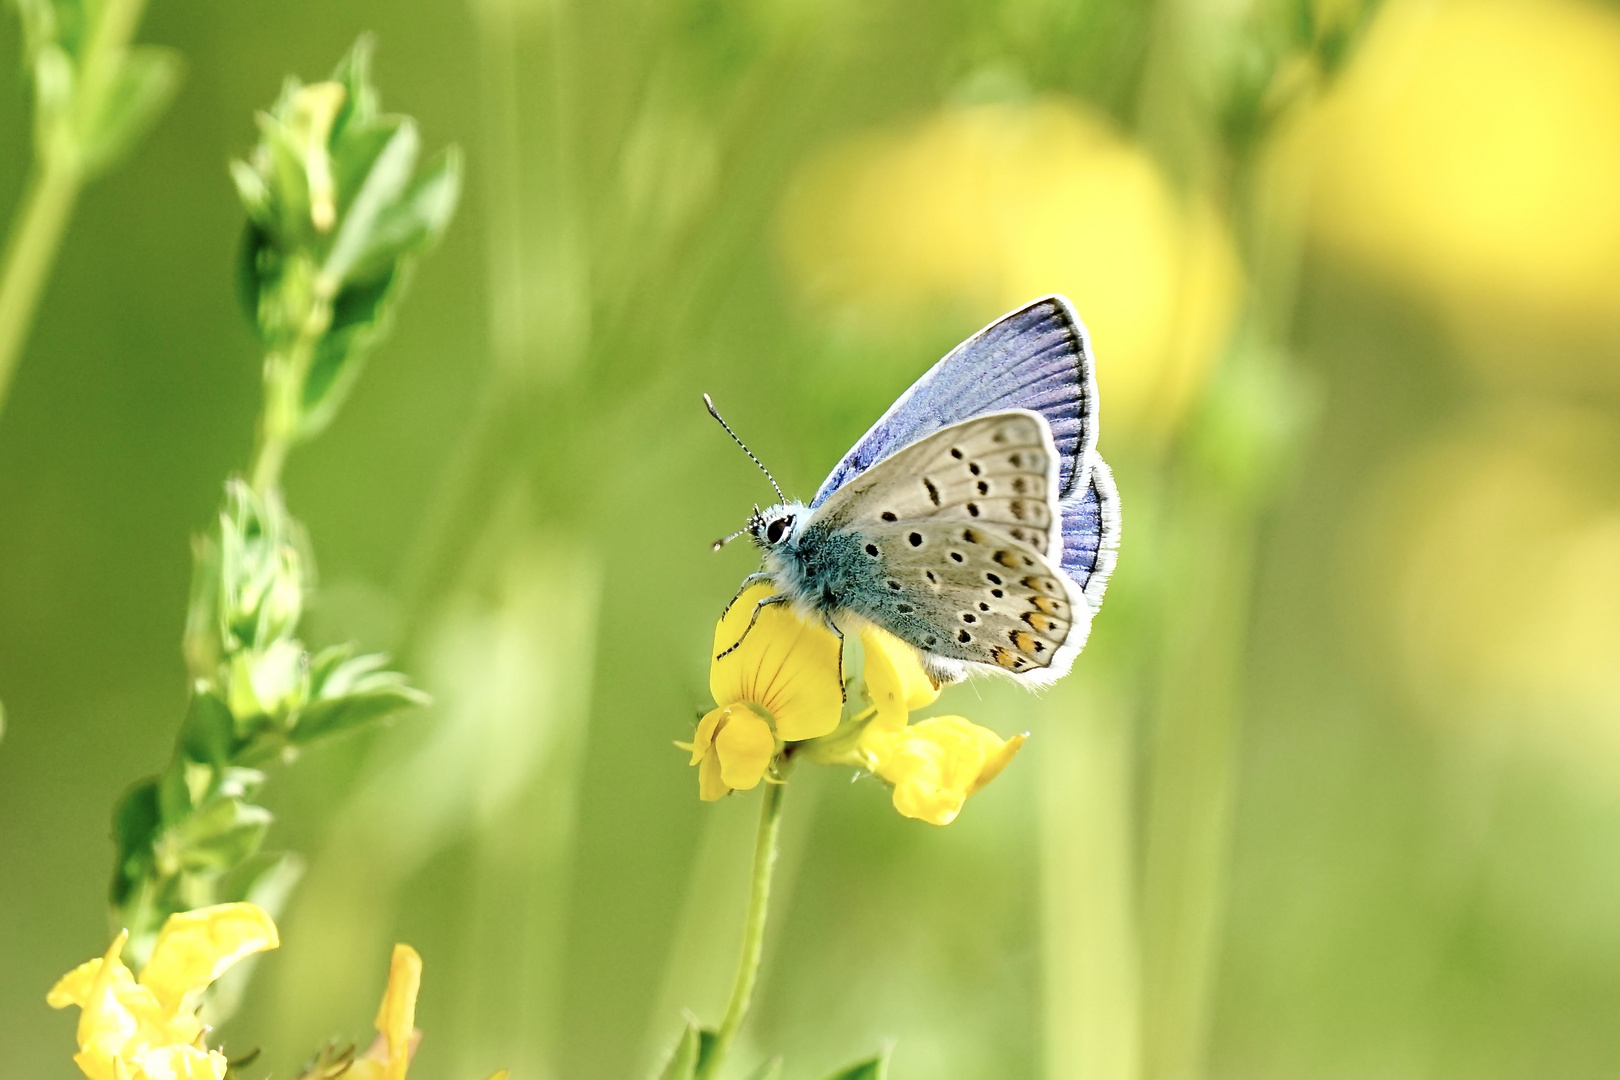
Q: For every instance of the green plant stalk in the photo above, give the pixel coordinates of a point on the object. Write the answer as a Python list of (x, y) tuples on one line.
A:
[(1091, 958), (284, 374), (1192, 784), (47, 205), (759, 898), (53, 190)]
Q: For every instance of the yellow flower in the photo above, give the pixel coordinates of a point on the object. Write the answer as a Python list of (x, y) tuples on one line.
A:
[(1472, 150), (895, 680), (935, 764), (147, 1028), (732, 749), (786, 675), (783, 685), (390, 1056)]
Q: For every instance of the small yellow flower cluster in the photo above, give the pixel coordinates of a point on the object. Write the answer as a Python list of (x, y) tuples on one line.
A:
[(934, 764), (783, 686), (397, 1036), (147, 1028)]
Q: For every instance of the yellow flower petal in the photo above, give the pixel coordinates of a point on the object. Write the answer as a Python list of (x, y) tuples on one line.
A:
[(74, 987), (744, 744), (179, 1063), (711, 785), (732, 748), (396, 1016), (895, 679), (937, 763), (787, 665), (196, 947), (997, 761), (703, 741), (107, 1024)]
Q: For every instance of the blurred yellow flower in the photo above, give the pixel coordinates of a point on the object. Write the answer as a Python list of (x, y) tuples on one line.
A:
[(787, 672), (991, 205), (390, 1055), (147, 1029), (1472, 149), (935, 764)]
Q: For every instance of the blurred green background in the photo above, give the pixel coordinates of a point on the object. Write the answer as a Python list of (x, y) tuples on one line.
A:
[(1350, 718)]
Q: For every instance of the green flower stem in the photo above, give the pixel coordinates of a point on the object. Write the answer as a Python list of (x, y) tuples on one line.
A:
[(284, 374), (53, 189), (1192, 787), (759, 896), (1091, 962)]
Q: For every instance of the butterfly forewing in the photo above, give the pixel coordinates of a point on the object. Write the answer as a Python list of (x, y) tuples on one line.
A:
[(997, 470), (962, 524)]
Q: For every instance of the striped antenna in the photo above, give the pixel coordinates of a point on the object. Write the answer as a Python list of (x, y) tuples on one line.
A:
[(714, 412)]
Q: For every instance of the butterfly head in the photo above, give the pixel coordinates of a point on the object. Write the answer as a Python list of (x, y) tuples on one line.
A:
[(776, 526)]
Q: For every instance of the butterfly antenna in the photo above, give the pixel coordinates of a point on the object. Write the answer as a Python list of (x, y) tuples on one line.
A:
[(718, 544), (714, 412)]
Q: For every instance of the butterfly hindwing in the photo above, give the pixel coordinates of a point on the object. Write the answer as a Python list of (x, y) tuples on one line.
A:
[(972, 595), (1090, 520)]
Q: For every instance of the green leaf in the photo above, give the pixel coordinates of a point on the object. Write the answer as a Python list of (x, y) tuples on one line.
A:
[(251, 190), (354, 153), (350, 691), (354, 72), (265, 686), (693, 1049), (219, 835), (175, 799), (416, 220), (266, 879), (208, 733), (134, 98), (769, 1069), (135, 823), (263, 554), (362, 309), (359, 321), (387, 178), (875, 1068)]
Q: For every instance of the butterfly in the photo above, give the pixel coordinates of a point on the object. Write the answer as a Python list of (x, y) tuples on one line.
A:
[(975, 521)]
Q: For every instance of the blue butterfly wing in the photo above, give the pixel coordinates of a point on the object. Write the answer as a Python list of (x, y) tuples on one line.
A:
[(1091, 532), (1037, 358)]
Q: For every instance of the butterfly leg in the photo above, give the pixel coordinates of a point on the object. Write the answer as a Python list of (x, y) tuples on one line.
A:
[(776, 598), (749, 582), (843, 687)]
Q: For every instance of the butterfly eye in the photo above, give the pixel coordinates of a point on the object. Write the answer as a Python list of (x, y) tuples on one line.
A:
[(774, 531)]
